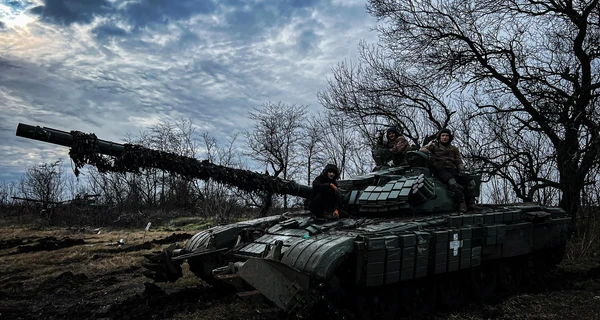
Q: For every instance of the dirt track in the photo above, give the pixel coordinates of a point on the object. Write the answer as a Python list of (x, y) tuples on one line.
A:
[(66, 275)]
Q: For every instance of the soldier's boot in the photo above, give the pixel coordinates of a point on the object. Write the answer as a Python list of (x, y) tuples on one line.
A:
[(377, 157), (473, 207), (462, 207)]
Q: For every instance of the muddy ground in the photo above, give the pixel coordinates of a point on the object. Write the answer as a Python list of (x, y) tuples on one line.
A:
[(91, 274)]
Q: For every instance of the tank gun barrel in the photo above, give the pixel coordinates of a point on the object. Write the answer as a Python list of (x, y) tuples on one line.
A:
[(64, 138), (111, 156)]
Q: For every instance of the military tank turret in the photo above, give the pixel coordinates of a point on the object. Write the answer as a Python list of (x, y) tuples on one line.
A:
[(402, 248)]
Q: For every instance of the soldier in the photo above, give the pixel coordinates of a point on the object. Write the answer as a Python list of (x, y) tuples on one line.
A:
[(394, 148), (326, 197), (448, 166)]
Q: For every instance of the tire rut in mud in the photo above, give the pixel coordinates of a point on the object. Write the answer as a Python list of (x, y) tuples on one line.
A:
[(27, 245)]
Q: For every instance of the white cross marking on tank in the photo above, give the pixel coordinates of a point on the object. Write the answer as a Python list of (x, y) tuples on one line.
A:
[(454, 245)]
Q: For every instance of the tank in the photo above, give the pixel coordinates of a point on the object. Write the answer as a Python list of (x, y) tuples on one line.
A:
[(401, 248)]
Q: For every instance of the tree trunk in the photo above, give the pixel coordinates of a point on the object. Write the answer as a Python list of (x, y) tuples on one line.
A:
[(571, 188), (570, 181)]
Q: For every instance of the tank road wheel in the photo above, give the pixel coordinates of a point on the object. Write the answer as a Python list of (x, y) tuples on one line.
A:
[(511, 274), (453, 289), (484, 281), (378, 303), (417, 297)]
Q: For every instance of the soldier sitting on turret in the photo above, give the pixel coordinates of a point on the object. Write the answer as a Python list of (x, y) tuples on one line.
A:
[(326, 197), (394, 148), (447, 165)]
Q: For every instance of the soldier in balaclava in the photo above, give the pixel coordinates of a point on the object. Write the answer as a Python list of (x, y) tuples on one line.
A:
[(326, 197)]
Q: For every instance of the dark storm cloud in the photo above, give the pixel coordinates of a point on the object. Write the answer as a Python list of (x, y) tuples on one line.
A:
[(40, 95), (188, 37), (248, 21), (244, 23), (2, 27), (303, 3), (71, 11), (5, 64), (243, 19), (307, 41), (146, 12), (107, 31)]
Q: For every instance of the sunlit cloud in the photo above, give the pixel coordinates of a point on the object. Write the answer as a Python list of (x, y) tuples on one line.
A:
[(13, 14), (117, 67)]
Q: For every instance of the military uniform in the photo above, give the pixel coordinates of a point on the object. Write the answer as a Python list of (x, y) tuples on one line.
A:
[(393, 149), (447, 164)]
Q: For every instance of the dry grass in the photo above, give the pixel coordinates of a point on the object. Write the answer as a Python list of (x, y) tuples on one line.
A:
[(113, 279), (91, 258), (587, 243)]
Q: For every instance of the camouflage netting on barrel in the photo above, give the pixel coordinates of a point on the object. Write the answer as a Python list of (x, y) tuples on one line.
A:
[(134, 158)]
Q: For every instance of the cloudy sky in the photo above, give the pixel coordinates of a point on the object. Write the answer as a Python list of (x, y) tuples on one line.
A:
[(114, 67)]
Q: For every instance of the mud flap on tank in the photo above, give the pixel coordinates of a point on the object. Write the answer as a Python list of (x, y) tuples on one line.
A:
[(283, 285)]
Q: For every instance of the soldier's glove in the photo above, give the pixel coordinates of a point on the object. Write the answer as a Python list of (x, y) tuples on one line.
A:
[(333, 186), (336, 214)]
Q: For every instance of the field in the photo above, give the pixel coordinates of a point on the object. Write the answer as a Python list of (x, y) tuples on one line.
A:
[(85, 273)]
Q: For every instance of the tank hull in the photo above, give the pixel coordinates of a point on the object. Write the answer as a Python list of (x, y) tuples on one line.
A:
[(303, 264)]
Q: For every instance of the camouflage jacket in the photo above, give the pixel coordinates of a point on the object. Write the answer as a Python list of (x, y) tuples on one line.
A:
[(398, 145), (443, 156)]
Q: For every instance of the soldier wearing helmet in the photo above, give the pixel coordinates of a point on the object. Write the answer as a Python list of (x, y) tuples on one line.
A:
[(393, 149), (448, 166)]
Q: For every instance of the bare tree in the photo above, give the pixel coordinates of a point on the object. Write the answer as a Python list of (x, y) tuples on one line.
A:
[(44, 182), (7, 191), (152, 187), (535, 60), (275, 140), (219, 200), (521, 166), (311, 146), (341, 144), (379, 91), (175, 137), (157, 187), (112, 187)]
